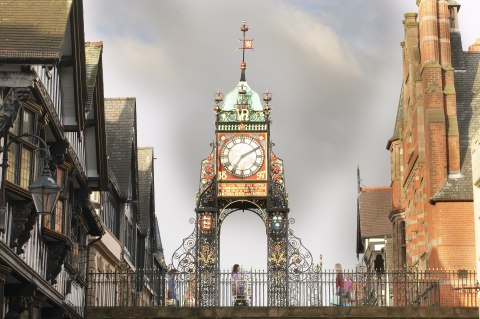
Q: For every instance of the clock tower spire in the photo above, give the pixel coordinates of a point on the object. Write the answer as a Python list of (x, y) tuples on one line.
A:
[(242, 173), (247, 44)]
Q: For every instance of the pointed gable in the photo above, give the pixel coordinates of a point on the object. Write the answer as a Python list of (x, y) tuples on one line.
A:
[(467, 86), (33, 31), (120, 124), (374, 205), (93, 51), (157, 247), (145, 184)]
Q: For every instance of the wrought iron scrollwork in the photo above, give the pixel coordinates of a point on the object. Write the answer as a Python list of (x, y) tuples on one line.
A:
[(207, 197), (300, 258), (232, 116), (257, 211), (184, 258), (278, 196), (277, 271)]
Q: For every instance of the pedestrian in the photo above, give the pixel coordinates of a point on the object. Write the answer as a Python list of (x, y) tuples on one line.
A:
[(171, 294), (348, 290), (339, 284), (238, 286)]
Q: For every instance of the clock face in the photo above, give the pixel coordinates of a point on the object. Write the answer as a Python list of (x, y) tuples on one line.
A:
[(242, 156)]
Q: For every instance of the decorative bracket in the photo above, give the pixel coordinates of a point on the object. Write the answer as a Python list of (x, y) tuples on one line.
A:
[(24, 218), (10, 107)]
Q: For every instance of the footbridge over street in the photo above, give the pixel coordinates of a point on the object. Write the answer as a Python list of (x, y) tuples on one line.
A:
[(281, 312)]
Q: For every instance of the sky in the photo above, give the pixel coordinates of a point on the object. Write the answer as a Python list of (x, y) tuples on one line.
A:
[(334, 70)]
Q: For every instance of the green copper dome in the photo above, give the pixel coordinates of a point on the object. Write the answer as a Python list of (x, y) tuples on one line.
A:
[(242, 104)]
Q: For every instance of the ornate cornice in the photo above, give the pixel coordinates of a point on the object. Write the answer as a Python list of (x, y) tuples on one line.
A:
[(414, 172), (47, 101), (23, 220), (10, 107)]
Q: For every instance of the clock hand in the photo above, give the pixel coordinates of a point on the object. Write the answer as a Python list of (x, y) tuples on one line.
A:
[(244, 155)]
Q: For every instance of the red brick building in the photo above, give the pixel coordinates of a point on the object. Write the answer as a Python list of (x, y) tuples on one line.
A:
[(432, 197), (374, 230)]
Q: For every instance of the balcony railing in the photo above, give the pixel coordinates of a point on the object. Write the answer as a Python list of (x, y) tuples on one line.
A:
[(450, 288)]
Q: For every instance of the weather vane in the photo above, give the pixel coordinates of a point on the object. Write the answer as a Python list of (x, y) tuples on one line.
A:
[(247, 44)]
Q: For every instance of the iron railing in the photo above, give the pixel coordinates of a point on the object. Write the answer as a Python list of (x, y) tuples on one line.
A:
[(316, 288)]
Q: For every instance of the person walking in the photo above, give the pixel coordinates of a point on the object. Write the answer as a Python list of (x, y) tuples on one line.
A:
[(339, 284), (171, 294), (238, 286), (348, 290)]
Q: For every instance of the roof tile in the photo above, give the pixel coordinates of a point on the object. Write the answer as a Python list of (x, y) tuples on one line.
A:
[(33, 31), (374, 205)]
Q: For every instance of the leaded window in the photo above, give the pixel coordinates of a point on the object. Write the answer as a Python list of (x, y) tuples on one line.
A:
[(57, 221), (20, 169), (110, 214)]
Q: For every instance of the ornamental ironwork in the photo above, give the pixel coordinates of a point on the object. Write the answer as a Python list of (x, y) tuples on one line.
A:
[(242, 173)]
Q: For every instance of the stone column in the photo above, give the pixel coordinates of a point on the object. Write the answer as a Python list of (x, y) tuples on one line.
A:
[(4, 272), (36, 306)]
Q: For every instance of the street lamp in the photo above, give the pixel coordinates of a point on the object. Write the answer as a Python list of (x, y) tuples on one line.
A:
[(44, 190)]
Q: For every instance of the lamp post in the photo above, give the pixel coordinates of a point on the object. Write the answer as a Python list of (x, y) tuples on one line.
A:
[(44, 189)]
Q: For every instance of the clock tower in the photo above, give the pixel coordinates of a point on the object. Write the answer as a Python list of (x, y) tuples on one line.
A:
[(241, 173)]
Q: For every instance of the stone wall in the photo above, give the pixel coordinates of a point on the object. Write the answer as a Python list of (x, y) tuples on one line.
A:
[(283, 312)]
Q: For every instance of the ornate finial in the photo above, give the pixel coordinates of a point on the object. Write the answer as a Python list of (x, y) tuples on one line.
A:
[(247, 44), (218, 98), (267, 97)]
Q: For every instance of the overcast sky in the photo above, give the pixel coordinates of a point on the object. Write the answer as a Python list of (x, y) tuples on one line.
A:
[(333, 67)]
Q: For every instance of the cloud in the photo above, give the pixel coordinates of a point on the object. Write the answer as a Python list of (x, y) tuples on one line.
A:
[(313, 41), (334, 68)]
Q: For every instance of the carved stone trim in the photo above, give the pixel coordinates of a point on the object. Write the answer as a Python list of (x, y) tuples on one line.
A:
[(413, 173), (16, 307), (57, 251), (4, 272), (23, 220), (10, 107), (37, 301)]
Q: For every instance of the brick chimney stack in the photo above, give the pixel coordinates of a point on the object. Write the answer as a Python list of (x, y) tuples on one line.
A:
[(441, 126)]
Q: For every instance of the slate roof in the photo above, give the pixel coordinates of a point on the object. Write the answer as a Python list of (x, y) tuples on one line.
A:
[(93, 51), (374, 205), (467, 87), (158, 248), (33, 30), (457, 51), (398, 122), (120, 127), (146, 190)]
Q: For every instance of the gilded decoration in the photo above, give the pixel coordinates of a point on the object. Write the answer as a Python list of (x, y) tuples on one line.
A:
[(206, 222), (278, 256), (206, 255), (257, 185), (208, 183)]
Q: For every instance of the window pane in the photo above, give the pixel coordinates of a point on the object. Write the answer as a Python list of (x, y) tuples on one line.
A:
[(12, 162), (59, 216), (26, 167), (60, 178), (47, 221), (27, 122), (16, 126)]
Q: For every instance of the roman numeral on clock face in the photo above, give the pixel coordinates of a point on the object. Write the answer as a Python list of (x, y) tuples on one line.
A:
[(242, 156)]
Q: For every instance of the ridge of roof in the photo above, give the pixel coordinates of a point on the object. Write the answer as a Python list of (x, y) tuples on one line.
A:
[(92, 60), (145, 184), (375, 188), (33, 33), (120, 131)]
